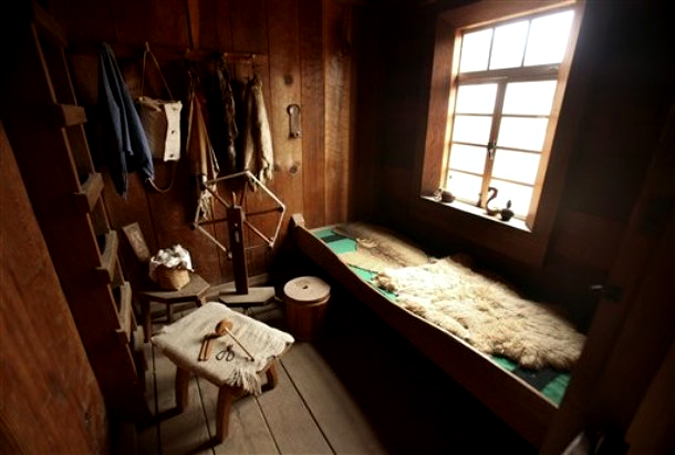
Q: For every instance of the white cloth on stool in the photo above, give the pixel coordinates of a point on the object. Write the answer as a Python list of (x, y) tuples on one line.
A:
[(181, 342)]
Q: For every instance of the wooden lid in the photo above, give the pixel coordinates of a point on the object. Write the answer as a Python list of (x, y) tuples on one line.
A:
[(307, 289)]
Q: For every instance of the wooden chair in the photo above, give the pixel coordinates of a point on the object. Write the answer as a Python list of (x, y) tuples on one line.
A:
[(147, 291)]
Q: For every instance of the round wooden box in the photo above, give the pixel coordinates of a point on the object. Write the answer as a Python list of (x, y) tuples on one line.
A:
[(306, 299)]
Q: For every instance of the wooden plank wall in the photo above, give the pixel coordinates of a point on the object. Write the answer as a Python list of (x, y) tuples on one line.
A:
[(628, 95), (303, 62), (51, 402)]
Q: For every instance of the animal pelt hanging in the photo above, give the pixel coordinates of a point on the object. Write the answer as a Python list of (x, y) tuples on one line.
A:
[(203, 161), (258, 152), (227, 127)]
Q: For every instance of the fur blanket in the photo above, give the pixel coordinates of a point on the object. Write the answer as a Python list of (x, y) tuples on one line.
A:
[(485, 313), (379, 249)]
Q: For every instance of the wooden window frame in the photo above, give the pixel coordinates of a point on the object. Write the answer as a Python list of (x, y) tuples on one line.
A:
[(526, 242)]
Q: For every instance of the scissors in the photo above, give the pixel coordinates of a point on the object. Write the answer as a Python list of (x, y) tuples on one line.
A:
[(227, 354)]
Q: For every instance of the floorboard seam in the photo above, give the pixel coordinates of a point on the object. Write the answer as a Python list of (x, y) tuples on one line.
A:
[(269, 428), (156, 394), (316, 422), (206, 417)]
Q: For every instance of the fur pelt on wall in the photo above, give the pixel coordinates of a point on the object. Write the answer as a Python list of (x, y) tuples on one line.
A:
[(486, 313)]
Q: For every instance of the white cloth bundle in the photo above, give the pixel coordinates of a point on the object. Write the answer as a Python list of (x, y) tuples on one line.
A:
[(175, 257)]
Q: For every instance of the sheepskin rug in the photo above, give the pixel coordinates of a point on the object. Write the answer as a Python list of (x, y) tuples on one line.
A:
[(486, 313), (379, 248)]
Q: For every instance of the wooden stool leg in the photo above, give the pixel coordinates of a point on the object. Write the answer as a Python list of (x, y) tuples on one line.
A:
[(225, 397), (182, 383), (272, 377), (169, 313), (145, 315)]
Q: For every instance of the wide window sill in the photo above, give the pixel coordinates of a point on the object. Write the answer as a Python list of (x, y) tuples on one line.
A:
[(466, 223), (513, 223)]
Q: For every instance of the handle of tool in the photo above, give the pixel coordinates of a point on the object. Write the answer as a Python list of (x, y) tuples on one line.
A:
[(209, 348), (202, 348), (239, 343)]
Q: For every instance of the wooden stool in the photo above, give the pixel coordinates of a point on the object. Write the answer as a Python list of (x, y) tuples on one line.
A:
[(226, 395), (253, 345)]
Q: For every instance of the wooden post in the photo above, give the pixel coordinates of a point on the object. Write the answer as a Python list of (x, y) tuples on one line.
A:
[(193, 18), (169, 313), (145, 315), (223, 412), (272, 377), (235, 221), (182, 382)]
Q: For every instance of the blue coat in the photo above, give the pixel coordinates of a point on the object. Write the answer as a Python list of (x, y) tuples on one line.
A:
[(124, 142)]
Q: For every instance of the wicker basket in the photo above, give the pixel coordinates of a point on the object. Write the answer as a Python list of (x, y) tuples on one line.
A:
[(171, 279)]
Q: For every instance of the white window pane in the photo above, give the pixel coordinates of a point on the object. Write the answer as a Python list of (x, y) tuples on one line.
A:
[(519, 195), (548, 39), (509, 45), (476, 99), (468, 158), (522, 133), (529, 98), (475, 51), (518, 166), (475, 130), (464, 186)]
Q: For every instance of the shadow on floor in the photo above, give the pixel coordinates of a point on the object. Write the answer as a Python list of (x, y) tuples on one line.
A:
[(413, 406)]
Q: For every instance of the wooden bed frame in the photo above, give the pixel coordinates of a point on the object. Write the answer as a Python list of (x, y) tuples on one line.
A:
[(521, 406)]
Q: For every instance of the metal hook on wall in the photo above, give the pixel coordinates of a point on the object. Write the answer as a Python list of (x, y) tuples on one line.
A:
[(294, 120)]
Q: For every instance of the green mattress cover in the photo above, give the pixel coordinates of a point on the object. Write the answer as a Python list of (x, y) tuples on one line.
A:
[(551, 383)]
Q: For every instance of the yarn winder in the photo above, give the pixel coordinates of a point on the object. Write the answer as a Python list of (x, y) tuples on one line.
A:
[(236, 219)]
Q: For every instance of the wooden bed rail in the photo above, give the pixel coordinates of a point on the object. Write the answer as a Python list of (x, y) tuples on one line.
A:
[(513, 400)]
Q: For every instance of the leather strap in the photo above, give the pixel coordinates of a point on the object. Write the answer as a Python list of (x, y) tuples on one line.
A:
[(154, 59)]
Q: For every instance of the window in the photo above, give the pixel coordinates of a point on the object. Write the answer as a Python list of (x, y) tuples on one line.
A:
[(496, 119), (504, 94)]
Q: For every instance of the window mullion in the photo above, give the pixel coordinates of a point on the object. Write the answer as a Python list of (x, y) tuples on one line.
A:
[(494, 132), (492, 43), (447, 146), (548, 71), (527, 39)]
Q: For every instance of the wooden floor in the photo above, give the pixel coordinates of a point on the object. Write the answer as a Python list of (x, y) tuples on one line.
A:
[(360, 388)]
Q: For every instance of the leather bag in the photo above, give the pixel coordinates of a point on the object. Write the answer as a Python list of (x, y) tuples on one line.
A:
[(160, 119)]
